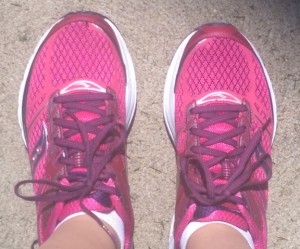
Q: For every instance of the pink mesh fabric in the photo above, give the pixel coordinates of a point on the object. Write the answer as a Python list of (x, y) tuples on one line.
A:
[(81, 51), (38, 75), (217, 66), (262, 94), (257, 204), (221, 64), (261, 87), (36, 93)]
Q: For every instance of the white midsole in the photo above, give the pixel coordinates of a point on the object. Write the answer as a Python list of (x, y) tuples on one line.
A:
[(169, 101), (130, 77), (171, 234)]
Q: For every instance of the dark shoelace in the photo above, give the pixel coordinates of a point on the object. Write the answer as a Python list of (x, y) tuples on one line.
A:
[(105, 131), (209, 193)]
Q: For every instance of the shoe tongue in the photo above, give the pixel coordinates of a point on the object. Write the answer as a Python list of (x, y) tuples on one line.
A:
[(82, 87), (226, 212), (218, 98), (98, 200)]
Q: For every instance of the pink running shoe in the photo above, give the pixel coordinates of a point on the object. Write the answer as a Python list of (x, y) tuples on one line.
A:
[(219, 108), (76, 105)]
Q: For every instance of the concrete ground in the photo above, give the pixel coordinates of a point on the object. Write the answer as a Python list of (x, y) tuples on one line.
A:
[(153, 30)]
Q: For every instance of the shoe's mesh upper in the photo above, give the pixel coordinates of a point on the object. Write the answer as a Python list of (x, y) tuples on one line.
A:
[(215, 67), (223, 65), (38, 76), (36, 91), (261, 90), (263, 95), (81, 52)]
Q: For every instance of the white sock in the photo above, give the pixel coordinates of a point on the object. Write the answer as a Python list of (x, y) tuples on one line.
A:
[(193, 226), (112, 218)]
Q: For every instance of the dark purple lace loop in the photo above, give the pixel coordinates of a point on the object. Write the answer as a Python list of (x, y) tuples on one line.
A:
[(106, 132), (208, 192)]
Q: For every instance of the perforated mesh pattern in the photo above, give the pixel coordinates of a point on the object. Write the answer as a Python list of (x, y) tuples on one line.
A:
[(179, 102), (81, 51), (38, 75), (261, 90), (35, 105), (220, 65)]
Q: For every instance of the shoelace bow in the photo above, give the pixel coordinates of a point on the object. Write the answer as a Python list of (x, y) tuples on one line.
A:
[(94, 160), (209, 193)]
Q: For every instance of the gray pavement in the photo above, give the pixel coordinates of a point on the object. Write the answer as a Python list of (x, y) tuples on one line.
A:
[(153, 30)]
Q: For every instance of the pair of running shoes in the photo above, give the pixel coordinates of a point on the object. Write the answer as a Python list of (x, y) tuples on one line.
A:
[(76, 105)]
